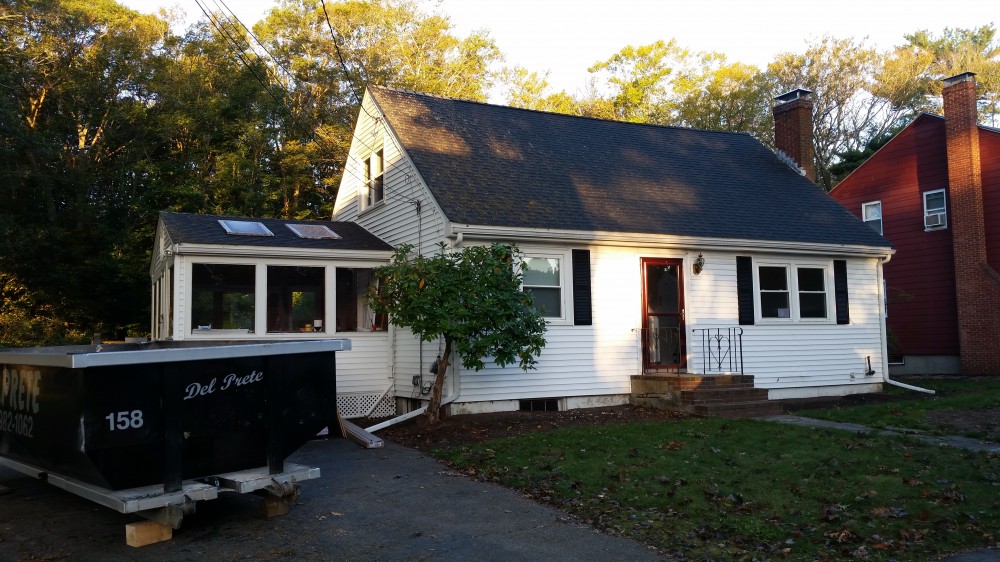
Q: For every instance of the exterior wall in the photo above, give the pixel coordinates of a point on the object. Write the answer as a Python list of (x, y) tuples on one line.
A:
[(598, 360), (794, 354), (408, 214), (920, 277)]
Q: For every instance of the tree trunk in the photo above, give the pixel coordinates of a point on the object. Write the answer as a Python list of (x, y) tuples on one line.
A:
[(434, 408)]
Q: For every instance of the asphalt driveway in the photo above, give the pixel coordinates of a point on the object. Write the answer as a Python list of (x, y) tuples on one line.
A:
[(369, 504)]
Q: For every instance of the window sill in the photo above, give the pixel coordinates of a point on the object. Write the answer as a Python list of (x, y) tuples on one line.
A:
[(794, 321), (372, 208)]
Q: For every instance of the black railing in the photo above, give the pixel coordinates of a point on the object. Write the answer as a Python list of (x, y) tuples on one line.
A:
[(721, 349)]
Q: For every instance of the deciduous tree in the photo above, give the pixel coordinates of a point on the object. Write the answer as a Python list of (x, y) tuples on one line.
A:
[(470, 298)]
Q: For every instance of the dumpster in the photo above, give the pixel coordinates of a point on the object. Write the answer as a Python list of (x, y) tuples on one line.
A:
[(121, 416)]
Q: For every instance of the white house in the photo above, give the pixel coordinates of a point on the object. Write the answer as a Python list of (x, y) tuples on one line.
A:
[(653, 251)]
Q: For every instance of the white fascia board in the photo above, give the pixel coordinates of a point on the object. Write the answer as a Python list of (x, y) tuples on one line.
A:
[(281, 252), (468, 231)]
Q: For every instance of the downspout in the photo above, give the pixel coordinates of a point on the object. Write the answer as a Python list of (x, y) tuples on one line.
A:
[(882, 333)]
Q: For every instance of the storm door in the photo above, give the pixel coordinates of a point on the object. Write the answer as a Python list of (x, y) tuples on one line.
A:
[(662, 314)]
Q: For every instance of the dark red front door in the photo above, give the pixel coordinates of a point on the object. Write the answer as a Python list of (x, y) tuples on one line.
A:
[(663, 314)]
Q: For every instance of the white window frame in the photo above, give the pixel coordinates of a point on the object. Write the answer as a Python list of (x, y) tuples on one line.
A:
[(880, 219), (791, 273), (937, 216), (565, 286), (378, 154)]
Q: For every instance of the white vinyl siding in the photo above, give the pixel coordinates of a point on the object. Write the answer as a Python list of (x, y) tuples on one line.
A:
[(408, 213), (793, 355), (599, 360)]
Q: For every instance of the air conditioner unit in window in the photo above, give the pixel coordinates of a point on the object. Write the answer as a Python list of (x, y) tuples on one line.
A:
[(935, 220)]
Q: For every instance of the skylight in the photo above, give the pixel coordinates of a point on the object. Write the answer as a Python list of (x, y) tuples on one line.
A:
[(245, 228), (314, 231)]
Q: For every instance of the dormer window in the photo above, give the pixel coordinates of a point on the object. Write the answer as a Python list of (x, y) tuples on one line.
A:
[(374, 186), (935, 210)]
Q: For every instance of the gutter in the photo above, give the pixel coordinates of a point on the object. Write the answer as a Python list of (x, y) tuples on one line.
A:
[(457, 232)]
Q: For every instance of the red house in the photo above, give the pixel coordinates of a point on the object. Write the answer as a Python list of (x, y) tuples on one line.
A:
[(934, 192)]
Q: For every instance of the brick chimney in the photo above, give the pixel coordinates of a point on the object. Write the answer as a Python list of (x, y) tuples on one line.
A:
[(977, 292), (793, 132)]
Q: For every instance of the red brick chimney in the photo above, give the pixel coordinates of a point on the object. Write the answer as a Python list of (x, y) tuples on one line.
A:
[(977, 293), (793, 132)]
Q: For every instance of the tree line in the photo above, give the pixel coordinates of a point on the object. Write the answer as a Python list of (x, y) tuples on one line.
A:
[(108, 116)]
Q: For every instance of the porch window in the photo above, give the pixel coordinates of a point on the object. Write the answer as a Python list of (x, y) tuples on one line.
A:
[(222, 297), (935, 210), (353, 312), (871, 213), (295, 299), (543, 280), (374, 186)]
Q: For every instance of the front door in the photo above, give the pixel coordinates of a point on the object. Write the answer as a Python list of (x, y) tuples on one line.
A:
[(662, 314)]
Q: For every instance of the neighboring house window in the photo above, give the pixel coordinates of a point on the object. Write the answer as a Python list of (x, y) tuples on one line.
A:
[(222, 297), (935, 210), (295, 298), (374, 186), (543, 279), (872, 215), (793, 292)]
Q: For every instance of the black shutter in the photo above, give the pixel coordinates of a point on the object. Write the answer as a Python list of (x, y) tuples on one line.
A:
[(582, 312), (744, 289), (840, 291)]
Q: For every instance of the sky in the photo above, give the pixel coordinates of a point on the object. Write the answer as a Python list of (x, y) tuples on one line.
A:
[(565, 37)]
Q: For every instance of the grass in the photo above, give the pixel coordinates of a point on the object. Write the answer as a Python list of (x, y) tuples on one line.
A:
[(951, 394), (710, 489)]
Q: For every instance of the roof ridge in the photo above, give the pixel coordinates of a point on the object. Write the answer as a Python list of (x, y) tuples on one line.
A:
[(552, 113)]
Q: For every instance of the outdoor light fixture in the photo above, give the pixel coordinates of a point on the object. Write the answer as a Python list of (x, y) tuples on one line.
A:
[(699, 264)]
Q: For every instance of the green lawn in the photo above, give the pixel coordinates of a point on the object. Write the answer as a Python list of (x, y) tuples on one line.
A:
[(965, 394), (754, 490)]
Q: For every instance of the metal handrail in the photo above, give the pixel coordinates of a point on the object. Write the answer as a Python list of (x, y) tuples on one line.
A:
[(721, 349)]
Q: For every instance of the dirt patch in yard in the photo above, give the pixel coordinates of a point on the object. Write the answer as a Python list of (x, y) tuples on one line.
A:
[(984, 424), (459, 430)]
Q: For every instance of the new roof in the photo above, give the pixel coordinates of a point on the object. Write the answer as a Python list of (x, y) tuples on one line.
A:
[(205, 229), (502, 166)]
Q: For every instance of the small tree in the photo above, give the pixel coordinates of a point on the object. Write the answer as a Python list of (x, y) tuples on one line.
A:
[(472, 298)]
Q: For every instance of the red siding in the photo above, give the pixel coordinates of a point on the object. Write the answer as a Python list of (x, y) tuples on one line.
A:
[(989, 149), (920, 277)]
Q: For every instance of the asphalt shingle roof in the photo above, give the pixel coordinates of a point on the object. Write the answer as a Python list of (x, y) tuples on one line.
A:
[(205, 229), (502, 166)]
